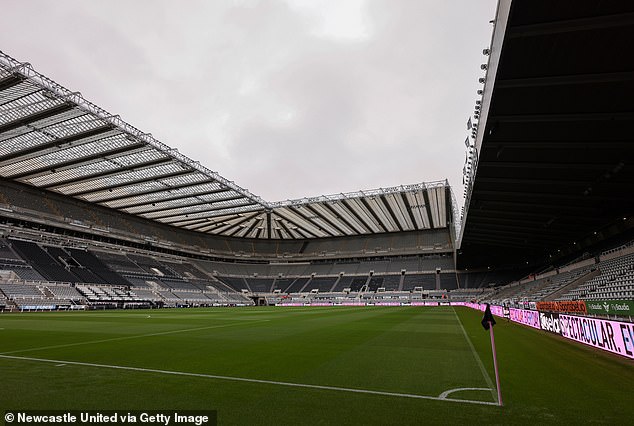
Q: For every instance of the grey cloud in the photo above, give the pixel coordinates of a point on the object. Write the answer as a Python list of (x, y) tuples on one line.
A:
[(249, 90)]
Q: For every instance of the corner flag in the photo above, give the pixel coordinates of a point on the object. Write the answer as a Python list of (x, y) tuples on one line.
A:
[(488, 318), (488, 322)]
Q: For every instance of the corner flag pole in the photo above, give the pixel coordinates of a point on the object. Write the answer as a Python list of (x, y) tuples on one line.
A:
[(488, 322), (495, 365)]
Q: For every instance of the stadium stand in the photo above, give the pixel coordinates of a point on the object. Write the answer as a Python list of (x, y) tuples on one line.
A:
[(185, 270), (41, 261), (614, 281), (144, 234), (10, 262), (426, 281), (297, 285), (375, 283), (6, 254), (21, 291), (238, 284), (147, 295), (321, 283), (177, 284), (607, 276), (67, 293), (23, 296), (343, 283), (119, 262), (358, 283), (260, 285), (392, 282), (88, 260)]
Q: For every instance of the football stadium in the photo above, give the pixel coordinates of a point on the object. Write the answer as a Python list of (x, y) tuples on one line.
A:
[(135, 281)]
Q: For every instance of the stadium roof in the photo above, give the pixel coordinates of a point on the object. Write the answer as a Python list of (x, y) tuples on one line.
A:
[(552, 168), (56, 140)]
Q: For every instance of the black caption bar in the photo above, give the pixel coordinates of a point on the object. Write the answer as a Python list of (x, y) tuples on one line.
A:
[(112, 417)]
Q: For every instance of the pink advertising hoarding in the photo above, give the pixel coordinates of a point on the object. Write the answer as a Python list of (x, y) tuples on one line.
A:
[(523, 316), (495, 310), (613, 336)]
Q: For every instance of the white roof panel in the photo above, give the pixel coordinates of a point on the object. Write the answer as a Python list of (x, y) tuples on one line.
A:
[(54, 139)]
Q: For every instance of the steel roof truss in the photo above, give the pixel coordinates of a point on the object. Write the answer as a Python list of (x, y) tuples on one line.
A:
[(93, 182), (408, 211), (417, 208), (10, 81), (300, 223), (223, 226), (72, 158), (36, 117), (394, 209), (55, 144), (381, 213), (246, 229), (160, 186), (361, 211), (322, 210), (346, 215), (69, 164), (181, 203), (17, 92), (312, 217), (280, 227), (178, 213), (163, 196)]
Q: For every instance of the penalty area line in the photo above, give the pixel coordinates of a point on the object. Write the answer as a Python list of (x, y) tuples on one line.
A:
[(260, 381)]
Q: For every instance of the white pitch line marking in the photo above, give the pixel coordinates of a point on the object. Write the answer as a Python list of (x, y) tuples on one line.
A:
[(243, 379), (445, 394), (60, 365), (114, 339), (487, 378)]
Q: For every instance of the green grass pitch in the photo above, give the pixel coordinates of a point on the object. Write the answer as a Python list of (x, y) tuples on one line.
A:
[(309, 362)]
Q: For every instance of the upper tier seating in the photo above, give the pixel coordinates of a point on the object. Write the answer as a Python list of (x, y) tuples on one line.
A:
[(615, 281)]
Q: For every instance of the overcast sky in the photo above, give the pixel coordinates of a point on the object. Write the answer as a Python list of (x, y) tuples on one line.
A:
[(286, 98)]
